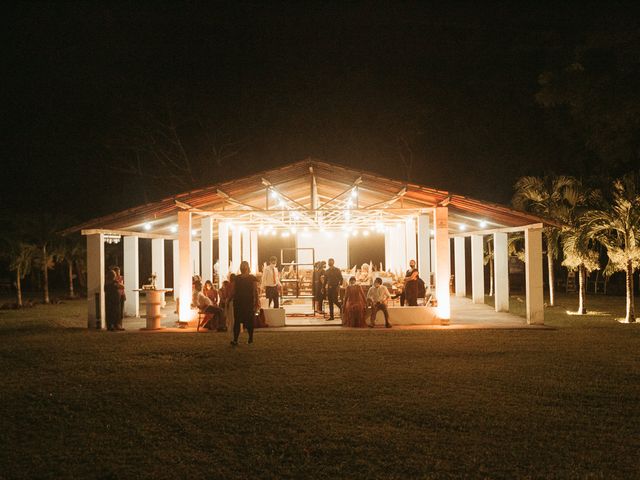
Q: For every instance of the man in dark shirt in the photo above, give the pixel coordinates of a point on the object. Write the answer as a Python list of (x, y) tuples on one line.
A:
[(245, 302), (407, 277), (332, 282)]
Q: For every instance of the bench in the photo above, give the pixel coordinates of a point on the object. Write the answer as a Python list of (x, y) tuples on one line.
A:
[(410, 316)]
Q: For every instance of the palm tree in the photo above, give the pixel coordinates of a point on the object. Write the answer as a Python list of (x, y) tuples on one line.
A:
[(544, 197), (515, 249), (578, 249), (618, 229), (71, 251), (42, 229), (20, 256)]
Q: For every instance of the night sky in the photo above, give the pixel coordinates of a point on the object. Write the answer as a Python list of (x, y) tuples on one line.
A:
[(357, 84)]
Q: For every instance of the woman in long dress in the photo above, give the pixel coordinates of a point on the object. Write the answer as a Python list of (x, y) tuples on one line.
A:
[(112, 301), (355, 306), (226, 302)]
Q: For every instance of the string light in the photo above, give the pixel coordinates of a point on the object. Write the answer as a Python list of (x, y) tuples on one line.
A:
[(147, 226)]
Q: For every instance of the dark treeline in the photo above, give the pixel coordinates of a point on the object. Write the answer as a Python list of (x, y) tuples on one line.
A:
[(100, 97)]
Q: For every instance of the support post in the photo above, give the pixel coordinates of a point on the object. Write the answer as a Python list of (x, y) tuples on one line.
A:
[(206, 255), (477, 269), (176, 269), (223, 252), (533, 272), (95, 281), (131, 276), (236, 251), (388, 260), (443, 263), (246, 245), (424, 249), (195, 257), (184, 246), (460, 271), (410, 242), (157, 263), (254, 252), (501, 271)]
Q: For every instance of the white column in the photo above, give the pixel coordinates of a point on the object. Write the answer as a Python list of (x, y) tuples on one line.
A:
[(95, 280), (236, 251), (501, 271), (477, 269), (223, 251), (176, 268), (401, 248), (533, 272), (131, 266), (410, 240), (424, 249), (195, 257), (387, 250), (246, 245), (206, 255), (184, 256), (157, 263), (443, 262), (433, 256), (460, 270), (254, 251)]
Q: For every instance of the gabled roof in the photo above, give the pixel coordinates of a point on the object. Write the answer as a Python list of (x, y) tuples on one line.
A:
[(310, 193)]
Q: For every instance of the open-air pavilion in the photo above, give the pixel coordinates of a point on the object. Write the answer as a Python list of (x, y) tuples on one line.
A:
[(322, 206)]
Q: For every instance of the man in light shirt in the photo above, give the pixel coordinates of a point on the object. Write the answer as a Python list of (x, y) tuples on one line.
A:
[(271, 282), (378, 296)]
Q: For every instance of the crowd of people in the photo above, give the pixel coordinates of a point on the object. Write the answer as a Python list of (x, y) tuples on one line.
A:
[(237, 303)]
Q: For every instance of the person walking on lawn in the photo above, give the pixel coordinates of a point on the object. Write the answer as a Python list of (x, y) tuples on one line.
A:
[(333, 281), (246, 302)]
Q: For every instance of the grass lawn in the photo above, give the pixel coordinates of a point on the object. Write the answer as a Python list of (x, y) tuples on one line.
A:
[(399, 404)]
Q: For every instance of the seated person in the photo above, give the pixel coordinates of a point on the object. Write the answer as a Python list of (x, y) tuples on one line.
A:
[(204, 304), (354, 307), (414, 288), (378, 296), (363, 276)]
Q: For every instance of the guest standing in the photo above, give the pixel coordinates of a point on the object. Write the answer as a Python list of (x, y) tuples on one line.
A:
[(414, 289), (246, 302), (111, 301), (407, 277), (318, 286), (271, 283), (123, 295), (355, 306), (378, 295), (332, 283)]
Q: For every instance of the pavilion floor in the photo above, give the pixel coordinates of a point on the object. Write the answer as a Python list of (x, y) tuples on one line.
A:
[(464, 315)]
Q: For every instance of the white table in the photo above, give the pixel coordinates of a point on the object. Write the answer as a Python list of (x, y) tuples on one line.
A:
[(153, 304)]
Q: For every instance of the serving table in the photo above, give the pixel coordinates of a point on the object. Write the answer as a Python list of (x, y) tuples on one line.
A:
[(153, 306)]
